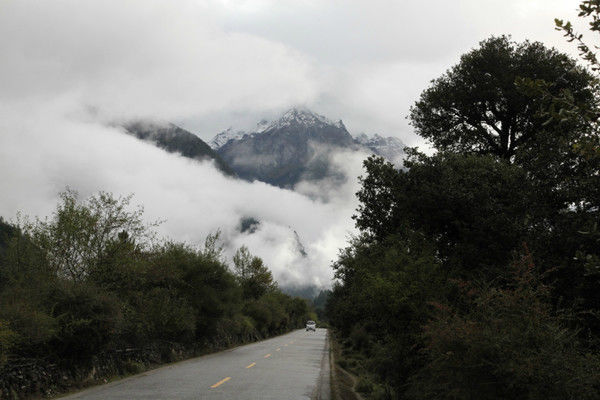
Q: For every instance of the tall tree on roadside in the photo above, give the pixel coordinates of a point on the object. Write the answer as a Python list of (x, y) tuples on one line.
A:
[(476, 106)]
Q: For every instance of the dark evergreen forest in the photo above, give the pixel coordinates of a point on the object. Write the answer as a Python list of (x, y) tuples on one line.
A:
[(476, 273)]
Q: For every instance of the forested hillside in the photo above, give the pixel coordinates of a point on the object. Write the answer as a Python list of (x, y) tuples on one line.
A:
[(476, 272), (93, 281)]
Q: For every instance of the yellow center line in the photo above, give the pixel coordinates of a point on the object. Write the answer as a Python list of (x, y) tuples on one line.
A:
[(285, 345), (268, 355), (279, 348), (251, 365), (222, 381)]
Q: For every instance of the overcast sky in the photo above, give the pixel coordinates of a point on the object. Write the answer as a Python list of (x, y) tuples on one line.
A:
[(368, 60), (210, 64), (69, 66)]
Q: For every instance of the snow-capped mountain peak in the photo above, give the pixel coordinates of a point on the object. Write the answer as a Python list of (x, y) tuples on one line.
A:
[(262, 125), (362, 138), (294, 117), (390, 147), (228, 134), (296, 147), (298, 116)]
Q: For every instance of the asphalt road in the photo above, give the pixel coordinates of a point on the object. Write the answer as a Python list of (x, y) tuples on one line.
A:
[(292, 366)]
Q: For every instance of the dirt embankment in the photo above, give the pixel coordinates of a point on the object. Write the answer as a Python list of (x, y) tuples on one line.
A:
[(342, 381)]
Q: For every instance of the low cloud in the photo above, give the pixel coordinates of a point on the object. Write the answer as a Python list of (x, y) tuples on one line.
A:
[(41, 156), (340, 181), (143, 58), (71, 67)]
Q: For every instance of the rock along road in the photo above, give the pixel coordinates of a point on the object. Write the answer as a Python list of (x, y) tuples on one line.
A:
[(291, 366)]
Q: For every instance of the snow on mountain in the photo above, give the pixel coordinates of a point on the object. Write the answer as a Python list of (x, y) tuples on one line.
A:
[(297, 146), (362, 138), (262, 125), (295, 117), (390, 148), (292, 148), (302, 117), (228, 134)]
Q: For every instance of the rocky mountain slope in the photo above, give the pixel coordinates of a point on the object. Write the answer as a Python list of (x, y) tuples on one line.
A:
[(285, 151), (390, 148), (295, 147), (176, 140)]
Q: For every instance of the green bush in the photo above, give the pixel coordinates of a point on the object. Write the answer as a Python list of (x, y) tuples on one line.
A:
[(507, 344), (261, 315), (8, 340), (168, 317), (381, 392), (364, 385), (132, 367), (86, 319), (360, 338), (32, 325)]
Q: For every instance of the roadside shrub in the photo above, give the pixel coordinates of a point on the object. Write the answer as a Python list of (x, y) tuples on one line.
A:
[(86, 319), (280, 319), (382, 306), (343, 363), (360, 338), (199, 279), (168, 317), (508, 344), (8, 339), (33, 327), (260, 313), (381, 392), (132, 367), (236, 329), (364, 385)]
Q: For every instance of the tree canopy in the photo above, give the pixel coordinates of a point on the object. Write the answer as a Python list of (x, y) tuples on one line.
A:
[(476, 107), (476, 270)]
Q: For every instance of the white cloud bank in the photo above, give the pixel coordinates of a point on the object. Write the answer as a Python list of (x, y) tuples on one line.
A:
[(375, 57), (41, 156), (144, 57), (70, 65), (67, 65)]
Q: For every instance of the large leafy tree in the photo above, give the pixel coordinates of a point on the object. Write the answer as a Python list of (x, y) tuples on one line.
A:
[(473, 208), (476, 106), (508, 210)]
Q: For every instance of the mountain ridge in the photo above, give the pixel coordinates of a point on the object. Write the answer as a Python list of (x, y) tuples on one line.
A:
[(296, 146), (284, 151), (175, 139)]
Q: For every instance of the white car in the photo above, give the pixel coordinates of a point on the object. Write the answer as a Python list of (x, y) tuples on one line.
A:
[(311, 326)]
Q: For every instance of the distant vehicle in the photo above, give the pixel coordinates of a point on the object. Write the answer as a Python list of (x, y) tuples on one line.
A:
[(311, 326)]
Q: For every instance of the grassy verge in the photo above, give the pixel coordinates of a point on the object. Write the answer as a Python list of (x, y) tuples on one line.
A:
[(351, 378), (342, 380)]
